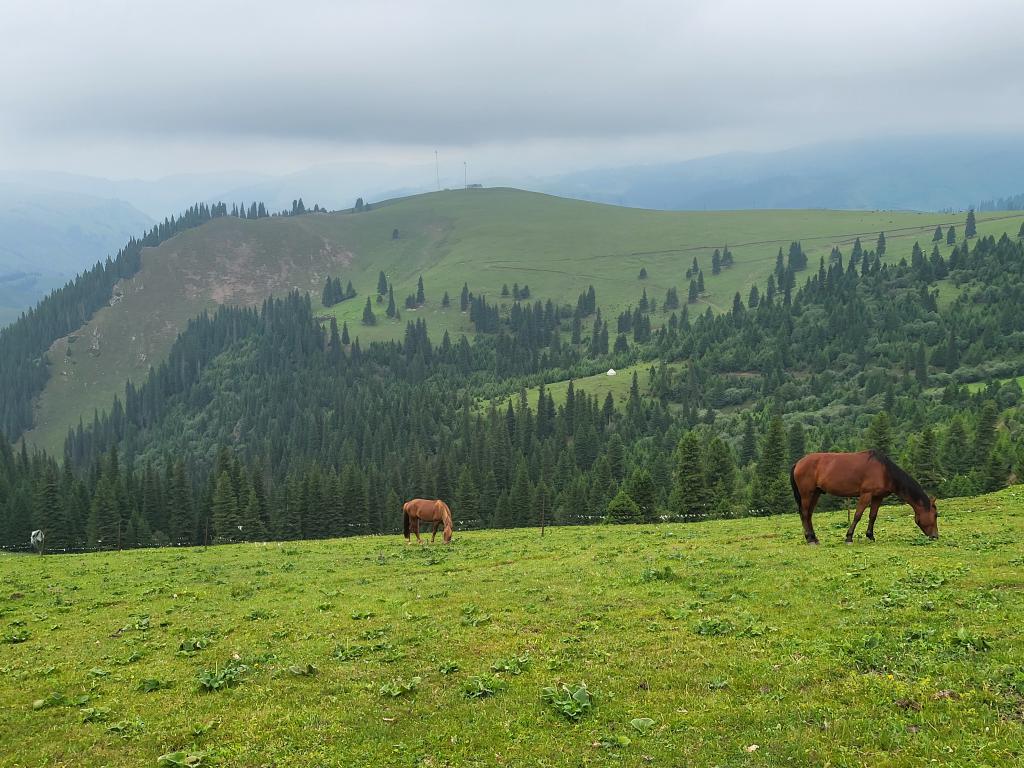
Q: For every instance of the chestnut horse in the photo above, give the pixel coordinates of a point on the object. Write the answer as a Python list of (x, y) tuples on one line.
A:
[(868, 475), (429, 511)]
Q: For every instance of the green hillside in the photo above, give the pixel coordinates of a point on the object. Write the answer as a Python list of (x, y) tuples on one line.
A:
[(484, 237), (740, 645)]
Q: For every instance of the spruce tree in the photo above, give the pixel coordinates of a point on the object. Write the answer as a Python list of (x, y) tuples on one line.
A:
[(880, 245), (879, 435), (797, 442), (382, 283), (421, 296), (690, 495), (925, 460), (985, 433), (640, 488), (970, 228), (721, 478), (464, 298), (622, 509), (225, 517), (951, 235), (368, 317), (937, 237), (748, 444), (771, 493)]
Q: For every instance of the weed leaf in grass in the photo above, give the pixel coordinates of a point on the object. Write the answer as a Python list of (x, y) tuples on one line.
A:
[(572, 703), (608, 742), (53, 699), (182, 759), (150, 684), (303, 670), (225, 677), (13, 638), (514, 665), (642, 724), (193, 644), (482, 686), (448, 667), (398, 687), (95, 715)]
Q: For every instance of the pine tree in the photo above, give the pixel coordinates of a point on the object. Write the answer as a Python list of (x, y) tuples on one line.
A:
[(937, 237), (771, 493), (970, 228), (985, 433), (797, 442), (445, 300), (225, 517), (464, 298), (622, 509), (467, 498), (421, 296), (640, 488), (382, 283), (956, 453), (879, 435), (921, 365), (748, 445), (391, 310), (690, 494), (950, 235), (345, 338), (368, 317), (721, 478), (880, 245), (643, 273), (180, 515), (925, 460)]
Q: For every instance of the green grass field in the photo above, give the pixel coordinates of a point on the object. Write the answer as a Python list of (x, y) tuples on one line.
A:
[(487, 238), (726, 643)]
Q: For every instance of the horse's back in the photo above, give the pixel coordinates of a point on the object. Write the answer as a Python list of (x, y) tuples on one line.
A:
[(424, 509), (841, 474)]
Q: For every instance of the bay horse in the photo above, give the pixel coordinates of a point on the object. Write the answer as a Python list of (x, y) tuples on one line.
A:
[(868, 475), (429, 511)]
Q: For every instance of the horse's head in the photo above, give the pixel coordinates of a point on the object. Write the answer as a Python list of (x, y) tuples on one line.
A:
[(927, 517)]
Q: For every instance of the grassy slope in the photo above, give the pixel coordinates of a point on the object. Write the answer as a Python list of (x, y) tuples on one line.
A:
[(899, 653), (485, 237)]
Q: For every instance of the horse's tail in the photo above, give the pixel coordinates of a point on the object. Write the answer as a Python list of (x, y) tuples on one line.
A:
[(796, 489), (405, 521)]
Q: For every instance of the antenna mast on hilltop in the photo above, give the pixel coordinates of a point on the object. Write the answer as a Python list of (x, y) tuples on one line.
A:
[(437, 171)]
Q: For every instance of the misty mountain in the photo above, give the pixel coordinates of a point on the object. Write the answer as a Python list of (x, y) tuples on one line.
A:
[(47, 237), (916, 173)]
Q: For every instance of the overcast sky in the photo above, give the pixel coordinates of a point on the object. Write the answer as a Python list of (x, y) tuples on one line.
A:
[(144, 89)]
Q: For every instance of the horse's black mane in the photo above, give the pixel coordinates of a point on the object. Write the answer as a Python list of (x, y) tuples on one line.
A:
[(906, 486)]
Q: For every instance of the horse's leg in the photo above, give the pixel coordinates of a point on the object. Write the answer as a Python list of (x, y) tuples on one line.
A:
[(875, 503), (416, 529), (863, 501), (433, 533), (810, 501)]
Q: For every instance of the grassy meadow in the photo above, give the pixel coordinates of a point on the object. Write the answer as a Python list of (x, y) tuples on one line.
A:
[(726, 643), (486, 237)]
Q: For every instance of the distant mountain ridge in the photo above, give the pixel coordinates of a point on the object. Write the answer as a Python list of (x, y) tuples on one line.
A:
[(915, 173)]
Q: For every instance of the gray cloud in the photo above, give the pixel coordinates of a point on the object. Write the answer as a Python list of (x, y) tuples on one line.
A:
[(145, 87)]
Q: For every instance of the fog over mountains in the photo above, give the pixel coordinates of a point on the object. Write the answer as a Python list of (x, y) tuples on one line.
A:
[(52, 225)]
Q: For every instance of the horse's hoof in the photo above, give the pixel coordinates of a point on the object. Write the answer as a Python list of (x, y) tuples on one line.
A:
[(871, 538), (849, 541), (813, 542)]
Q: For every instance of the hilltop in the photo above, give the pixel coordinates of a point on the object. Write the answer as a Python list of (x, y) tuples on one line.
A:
[(486, 238), (740, 645)]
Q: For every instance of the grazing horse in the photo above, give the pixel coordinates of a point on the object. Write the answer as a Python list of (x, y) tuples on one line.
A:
[(868, 475), (36, 540), (429, 511)]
